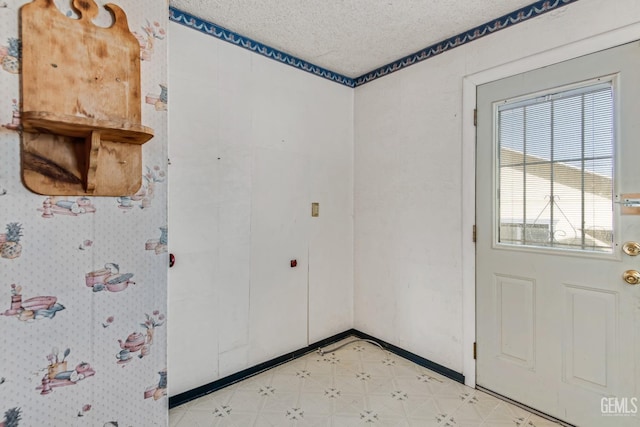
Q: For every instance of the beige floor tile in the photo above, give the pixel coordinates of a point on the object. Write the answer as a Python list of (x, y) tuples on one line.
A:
[(358, 385), (175, 415), (197, 418), (419, 422), (541, 422)]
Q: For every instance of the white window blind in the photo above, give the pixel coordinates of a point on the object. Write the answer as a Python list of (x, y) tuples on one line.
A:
[(556, 170)]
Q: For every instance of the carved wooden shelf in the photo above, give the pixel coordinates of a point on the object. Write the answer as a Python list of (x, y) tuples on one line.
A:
[(81, 106)]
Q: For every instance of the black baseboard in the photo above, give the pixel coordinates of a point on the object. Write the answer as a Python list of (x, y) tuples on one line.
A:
[(203, 390), (425, 363)]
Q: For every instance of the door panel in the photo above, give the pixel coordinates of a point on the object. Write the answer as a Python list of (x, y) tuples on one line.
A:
[(556, 325), (590, 338), (515, 300)]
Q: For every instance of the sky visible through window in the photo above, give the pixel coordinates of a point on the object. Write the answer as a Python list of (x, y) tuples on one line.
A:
[(572, 123), (556, 169)]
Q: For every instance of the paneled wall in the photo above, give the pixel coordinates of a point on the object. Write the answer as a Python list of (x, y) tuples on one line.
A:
[(253, 144)]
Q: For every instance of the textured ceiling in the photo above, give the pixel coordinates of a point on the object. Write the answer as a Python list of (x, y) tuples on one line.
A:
[(350, 37)]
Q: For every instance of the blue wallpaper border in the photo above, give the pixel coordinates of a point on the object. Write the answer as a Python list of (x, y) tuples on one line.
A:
[(523, 14), (184, 18)]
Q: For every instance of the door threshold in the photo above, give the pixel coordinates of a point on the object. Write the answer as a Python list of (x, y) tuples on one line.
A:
[(525, 407)]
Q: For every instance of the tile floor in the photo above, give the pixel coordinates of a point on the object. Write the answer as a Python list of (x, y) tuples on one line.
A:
[(358, 385)]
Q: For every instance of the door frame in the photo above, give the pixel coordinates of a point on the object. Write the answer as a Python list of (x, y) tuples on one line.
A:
[(562, 53)]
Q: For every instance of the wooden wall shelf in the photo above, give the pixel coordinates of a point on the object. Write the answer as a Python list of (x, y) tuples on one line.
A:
[(81, 127), (81, 102)]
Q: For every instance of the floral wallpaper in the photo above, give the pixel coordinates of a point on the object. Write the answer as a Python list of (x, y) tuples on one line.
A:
[(83, 279)]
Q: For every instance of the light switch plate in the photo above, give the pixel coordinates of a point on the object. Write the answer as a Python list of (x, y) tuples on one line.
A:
[(315, 209)]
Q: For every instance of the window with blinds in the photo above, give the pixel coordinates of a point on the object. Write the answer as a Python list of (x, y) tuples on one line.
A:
[(555, 163)]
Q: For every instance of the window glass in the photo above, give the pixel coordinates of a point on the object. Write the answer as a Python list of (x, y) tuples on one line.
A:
[(556, 170)]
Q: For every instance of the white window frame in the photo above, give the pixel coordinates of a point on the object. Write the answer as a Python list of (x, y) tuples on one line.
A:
[(551, 93)]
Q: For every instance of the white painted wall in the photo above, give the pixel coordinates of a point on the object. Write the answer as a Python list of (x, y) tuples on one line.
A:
[(414, 197), (252, 143)]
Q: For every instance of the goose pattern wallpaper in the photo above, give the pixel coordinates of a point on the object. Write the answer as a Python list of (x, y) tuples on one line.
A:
[(83, 280)]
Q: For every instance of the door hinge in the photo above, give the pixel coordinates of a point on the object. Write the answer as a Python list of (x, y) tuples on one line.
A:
[(475, 351), (475, 117), (473, 234)]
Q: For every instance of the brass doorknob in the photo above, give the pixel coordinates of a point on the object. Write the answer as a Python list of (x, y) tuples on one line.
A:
[(632, 277), (631, 248)]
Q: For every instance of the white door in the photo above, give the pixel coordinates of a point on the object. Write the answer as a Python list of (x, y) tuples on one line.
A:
[(558, 329)]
